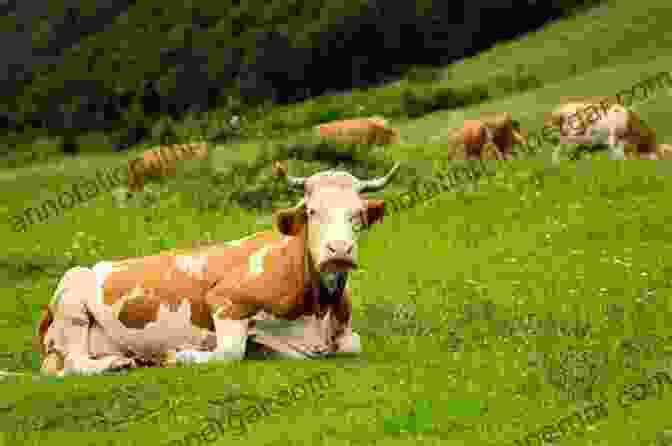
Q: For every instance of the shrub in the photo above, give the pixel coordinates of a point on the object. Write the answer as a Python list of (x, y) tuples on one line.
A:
[(423, 74), (474, 95), (446, 98), (414, 105), (504, 83)]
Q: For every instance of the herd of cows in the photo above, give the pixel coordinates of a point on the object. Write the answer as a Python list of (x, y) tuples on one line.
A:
[(281, 293), (491, 136)]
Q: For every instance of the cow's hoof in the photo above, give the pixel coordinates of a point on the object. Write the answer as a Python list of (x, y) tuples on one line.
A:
[(169, 359), (53, 365)]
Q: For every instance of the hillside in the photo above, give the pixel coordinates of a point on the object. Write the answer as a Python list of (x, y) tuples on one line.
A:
[(153, 60), (584, 244)]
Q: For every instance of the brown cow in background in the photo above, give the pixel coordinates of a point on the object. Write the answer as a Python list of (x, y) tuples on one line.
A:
[(162, 163), (370, 131), (492, 136)]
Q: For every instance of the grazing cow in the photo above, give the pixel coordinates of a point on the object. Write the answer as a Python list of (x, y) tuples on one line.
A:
[(492, 136), (574, 114), (623, 131), (283, 291), (152, 164), (370, 131)]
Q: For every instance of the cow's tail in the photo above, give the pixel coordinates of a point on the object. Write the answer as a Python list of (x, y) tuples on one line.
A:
[(38, 339)]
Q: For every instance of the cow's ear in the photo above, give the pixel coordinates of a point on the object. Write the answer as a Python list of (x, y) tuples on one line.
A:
[(375, 210), (290, 221)]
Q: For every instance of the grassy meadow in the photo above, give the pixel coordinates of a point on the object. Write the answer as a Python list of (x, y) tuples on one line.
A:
[(581, 241)]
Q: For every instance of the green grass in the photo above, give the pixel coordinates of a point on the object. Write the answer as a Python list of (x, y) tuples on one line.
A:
[(532, 239)]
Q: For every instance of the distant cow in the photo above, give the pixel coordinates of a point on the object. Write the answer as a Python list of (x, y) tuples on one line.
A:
[(370, 131), (284, 293), (623, 131), (574, 114), (492, 136), (162, 162)]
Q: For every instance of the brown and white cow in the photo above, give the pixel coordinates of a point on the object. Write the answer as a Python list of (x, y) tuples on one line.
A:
[(492, 136), (162, 162), (623, 131), (284, 292), (370, 131)]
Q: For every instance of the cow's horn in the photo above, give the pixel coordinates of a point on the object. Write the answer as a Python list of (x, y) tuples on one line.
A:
[(378, 183), (297, 182)]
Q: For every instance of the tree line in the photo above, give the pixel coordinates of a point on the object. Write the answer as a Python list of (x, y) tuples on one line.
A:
[(180, 59)]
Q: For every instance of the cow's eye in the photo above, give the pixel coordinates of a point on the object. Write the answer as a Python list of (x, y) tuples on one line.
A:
[(358, 218)]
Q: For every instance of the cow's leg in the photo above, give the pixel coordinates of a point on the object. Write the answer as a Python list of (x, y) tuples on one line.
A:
[(68, 335), (231, 343)]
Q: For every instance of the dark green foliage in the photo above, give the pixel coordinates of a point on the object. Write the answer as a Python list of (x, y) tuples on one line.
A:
[(414, 104), (423, 74)]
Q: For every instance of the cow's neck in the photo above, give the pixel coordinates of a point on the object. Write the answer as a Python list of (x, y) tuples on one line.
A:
[(326, 289)]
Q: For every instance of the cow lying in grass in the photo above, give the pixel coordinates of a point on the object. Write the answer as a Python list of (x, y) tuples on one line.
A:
[(595, 121), (369, 131), (492, 136), (162, 163), (282, 291)]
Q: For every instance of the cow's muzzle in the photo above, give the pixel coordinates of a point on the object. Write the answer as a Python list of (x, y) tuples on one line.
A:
[(338, 257)]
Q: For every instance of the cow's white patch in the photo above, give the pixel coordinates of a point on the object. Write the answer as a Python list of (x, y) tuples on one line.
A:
[(102, 270), (239, 242), (340, 229), (192, 265), (256, 261), (60, 289), (231, 338)]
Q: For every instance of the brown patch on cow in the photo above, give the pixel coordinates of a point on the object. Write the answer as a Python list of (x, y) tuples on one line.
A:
[(136, 288), (138, 291), (279, 290)]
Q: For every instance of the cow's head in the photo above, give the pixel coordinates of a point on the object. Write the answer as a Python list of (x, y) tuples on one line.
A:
[(331, 213), (388, 135)]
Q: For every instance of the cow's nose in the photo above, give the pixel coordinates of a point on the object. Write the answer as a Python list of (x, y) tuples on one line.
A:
[(340, 248)]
